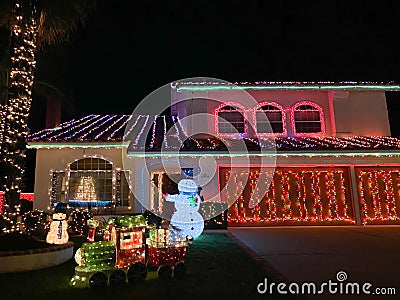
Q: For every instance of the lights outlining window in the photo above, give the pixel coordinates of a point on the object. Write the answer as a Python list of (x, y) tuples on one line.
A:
[(307, 119), (272, 113), (230, 119), (91, 182)]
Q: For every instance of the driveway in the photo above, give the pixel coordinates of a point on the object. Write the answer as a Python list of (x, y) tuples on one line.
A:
[(316, 254)]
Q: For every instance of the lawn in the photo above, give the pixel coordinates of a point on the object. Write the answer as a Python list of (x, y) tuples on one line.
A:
[(217, 267)]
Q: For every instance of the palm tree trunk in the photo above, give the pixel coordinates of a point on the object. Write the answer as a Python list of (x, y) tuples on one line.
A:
[(3, 109), (20, 97)]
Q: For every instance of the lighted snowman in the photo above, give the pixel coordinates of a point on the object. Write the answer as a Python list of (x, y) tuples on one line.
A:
[(187, 203), (58, 230)]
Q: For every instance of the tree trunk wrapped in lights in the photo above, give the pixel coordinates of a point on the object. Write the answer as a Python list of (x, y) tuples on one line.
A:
[(24, 32), (32, 24)]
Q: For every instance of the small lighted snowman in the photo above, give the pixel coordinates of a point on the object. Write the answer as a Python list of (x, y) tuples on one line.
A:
[(187, 203), (58, 230)]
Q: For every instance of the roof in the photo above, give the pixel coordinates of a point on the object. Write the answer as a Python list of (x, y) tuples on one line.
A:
[(113, 129), (283, 85), (109, 130)]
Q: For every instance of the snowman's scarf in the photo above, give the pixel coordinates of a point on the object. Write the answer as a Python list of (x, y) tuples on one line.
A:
[(60, 230), (192, 199), (59, 234)]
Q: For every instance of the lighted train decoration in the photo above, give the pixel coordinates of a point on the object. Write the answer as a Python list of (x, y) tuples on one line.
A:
[(126, 255)]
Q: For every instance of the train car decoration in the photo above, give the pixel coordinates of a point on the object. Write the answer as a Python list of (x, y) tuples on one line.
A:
[(129, 250)]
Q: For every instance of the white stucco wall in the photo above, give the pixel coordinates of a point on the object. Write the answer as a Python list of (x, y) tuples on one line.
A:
[(59, 159), (248, 99), (346, 113), (361, 113)]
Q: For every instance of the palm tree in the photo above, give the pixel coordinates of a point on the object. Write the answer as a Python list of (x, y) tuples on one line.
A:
[(32, 24), (4, 76)]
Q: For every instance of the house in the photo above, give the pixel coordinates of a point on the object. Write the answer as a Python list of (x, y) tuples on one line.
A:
[(274, 153)]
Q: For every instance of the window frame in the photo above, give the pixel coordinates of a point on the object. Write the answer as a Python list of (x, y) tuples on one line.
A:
[(60, 191), (85, 172), (321, 119), (241, 109), (283, 113)]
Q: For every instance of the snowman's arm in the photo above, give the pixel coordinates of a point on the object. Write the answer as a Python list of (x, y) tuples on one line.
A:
[(172, 198)]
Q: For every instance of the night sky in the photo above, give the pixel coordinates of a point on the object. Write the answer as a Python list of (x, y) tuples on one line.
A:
[(130, 48)]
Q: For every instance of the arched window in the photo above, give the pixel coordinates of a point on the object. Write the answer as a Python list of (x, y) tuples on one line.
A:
[(230, 119), (272, 113), (90, 182), (307, 118)]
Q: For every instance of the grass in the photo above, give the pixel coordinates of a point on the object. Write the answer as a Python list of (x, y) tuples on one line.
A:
[(217, 267)]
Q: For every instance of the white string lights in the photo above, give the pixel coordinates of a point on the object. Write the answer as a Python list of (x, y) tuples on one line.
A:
[(23, 62)]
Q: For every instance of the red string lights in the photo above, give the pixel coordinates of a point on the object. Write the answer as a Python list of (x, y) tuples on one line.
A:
[(295, 195), (379, 194), (316, 195)]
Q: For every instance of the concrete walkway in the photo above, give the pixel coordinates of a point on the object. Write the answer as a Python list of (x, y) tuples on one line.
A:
[(316, 254)]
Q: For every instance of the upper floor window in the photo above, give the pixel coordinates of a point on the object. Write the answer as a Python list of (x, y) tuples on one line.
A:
[(230, 119), (307, 118), (272, 113)]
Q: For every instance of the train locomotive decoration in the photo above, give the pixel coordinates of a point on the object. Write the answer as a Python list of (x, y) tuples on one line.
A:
[(130, 249)]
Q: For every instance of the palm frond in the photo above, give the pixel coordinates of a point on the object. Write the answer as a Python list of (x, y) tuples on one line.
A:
[(59, 18), (6, 13)]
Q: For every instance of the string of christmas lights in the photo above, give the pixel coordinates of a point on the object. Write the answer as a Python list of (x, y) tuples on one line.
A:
[(180, 133), (71, 132), (12, 220), (3, 115), (23, 63), (122, 126), (1, 203), (165, 132), (83, 130), (141, 135), (301, 195), (379, 195), (153, 134), (37, 223), (113, 124), (91, 127), (47, 133), (283, 85), (128, 132), (200, 83), (77, 221)]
